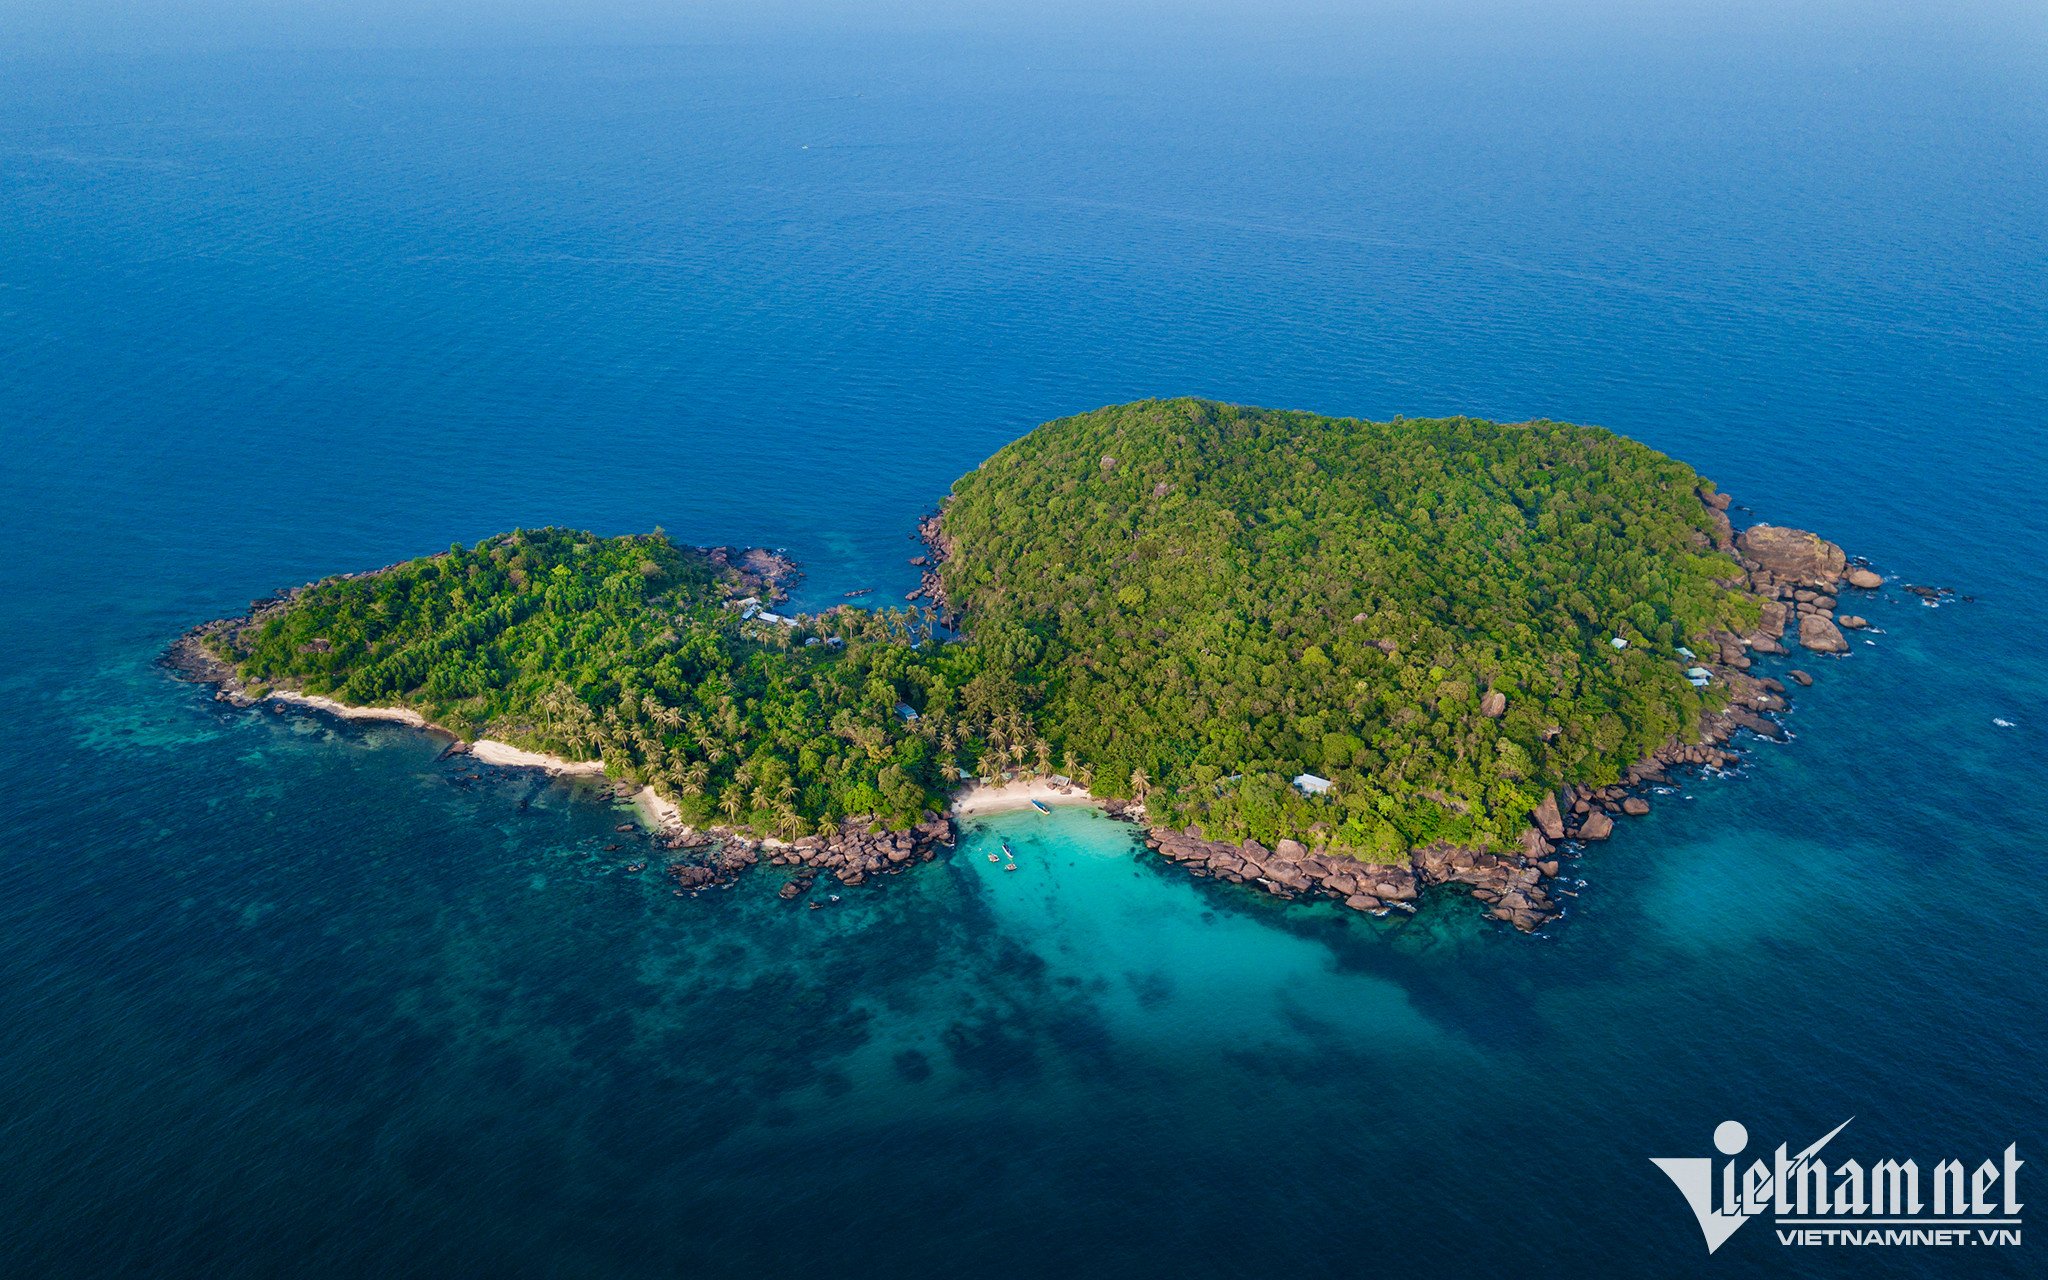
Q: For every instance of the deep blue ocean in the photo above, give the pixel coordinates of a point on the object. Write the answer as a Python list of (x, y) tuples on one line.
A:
[(281, 996)]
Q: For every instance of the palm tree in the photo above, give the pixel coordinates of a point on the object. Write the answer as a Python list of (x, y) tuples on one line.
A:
[(1139, 782), (732, 804)]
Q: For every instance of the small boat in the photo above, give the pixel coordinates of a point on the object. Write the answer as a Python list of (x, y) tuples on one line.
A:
[(831, 897), (996, 857), (1040, 806), (1008, 852), (1011, 867)]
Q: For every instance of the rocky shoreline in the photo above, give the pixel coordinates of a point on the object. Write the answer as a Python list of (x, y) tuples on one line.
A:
[(938, 548), (853, 854)]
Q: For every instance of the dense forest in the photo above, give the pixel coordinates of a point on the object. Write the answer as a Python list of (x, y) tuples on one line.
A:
[(630, 650), (1179, 601), (1201, 601)]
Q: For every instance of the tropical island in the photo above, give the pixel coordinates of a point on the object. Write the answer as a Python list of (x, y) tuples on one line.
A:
[(1321, 655)]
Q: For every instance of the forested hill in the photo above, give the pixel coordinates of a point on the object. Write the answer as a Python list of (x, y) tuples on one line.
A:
[(1202, 601), (633, 650)]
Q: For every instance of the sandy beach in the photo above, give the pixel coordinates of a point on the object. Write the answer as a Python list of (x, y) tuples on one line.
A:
[(491, 751), (655, 811), (987, 797), (346, 712)]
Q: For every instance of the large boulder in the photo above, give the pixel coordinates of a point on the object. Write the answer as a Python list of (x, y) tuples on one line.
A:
[(1772, 622), (1820, 635), (1597, 826), (1494, 705), (1548, 819), (1794, 555), (1864, 578)]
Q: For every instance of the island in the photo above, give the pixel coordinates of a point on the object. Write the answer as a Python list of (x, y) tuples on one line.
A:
[(1321, 656)]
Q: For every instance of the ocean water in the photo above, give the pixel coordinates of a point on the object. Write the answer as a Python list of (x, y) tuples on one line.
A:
[(280, 995)]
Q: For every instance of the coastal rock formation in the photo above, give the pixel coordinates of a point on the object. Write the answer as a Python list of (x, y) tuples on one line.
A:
[(1288, 870), (757, 570), (1772, 623), (1820, 635), (1793, 555), (850, 855), (931, 586), (1513, 886), (1850, 622), (1864, 578)]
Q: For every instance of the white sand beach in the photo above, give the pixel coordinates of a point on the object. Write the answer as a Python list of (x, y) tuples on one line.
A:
[(991, 797), (491, 751), (346, 712), (655, 811)]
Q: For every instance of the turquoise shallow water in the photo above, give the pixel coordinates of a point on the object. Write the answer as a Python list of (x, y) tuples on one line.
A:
[(288, 996)]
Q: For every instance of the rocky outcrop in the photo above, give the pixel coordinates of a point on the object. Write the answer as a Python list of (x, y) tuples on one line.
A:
[(1850, 622), (1511, 885), (850, 855), (1864, 579), (1288, 869), (1820, 635), (1793, 555), (931, 586), (1548, 820), (1494, 705), (756, 571), (1772, 623)]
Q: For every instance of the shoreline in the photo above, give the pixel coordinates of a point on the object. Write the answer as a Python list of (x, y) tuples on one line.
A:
[(343, 711), (979, 797), (507, 756)]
